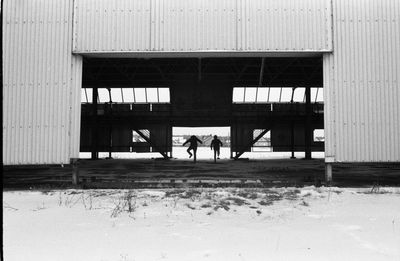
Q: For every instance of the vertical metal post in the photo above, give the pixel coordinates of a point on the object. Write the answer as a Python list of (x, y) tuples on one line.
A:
[(292, 124), (166, 148), (110, 148), (110, 126), (307, 129), (236, 139), (292, 139), (231, 142), (172, 143), (94, 123), (328, 172), (75, 171), (199, 71)]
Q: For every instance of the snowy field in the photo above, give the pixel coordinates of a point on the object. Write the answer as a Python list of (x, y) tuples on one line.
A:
[(203, 224)]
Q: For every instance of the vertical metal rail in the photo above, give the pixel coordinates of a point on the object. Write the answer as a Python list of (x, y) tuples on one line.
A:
[(110, 126), (292, 125), (199, 71), (236, 139), (95, 135), (307, 129), (231, 147), (1, 68), (166, 139)]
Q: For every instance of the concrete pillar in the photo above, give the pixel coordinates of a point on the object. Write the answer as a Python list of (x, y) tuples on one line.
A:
[(75, 171), (328, 172)]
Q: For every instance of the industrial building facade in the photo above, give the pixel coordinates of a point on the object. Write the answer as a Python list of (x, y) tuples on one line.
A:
[(53, 48)]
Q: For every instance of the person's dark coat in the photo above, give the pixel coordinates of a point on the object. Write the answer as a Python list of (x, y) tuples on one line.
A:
[(193, 142), (216, 144)]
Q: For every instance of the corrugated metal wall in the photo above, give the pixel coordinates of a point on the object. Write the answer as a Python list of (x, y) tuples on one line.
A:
[(202, 25), (41, 84), (362, 82), (41, 80), (75, 108)]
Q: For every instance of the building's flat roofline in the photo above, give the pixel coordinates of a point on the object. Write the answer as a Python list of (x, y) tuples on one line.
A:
[(201, 54)]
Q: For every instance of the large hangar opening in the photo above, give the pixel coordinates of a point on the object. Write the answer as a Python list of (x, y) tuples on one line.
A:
[(272, 104)]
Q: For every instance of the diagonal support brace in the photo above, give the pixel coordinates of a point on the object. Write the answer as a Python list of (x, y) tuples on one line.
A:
[(152, 144), (251, 144)]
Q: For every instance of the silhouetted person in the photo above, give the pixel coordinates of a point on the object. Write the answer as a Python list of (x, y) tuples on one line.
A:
[(193, 146), (216, 144)]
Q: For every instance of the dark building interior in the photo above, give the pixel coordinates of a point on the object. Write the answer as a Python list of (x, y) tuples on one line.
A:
[(200, 94)]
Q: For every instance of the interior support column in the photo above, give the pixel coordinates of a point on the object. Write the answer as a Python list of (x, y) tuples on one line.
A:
[(232, 142), (95, 154), (110, 130), (308, 128), (292, 146), (199, 71), (236, 139)]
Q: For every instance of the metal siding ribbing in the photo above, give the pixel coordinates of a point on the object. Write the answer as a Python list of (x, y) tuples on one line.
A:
[(36, 82), (285, 25), (202, 25), (193, 25), (112, 25), (364, 86)]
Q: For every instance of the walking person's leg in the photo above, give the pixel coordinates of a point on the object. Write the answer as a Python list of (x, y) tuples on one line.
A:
[(188, 151), (195, 154)]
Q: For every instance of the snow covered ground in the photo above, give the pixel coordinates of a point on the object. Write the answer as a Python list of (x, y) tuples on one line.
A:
[(203, 224)]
